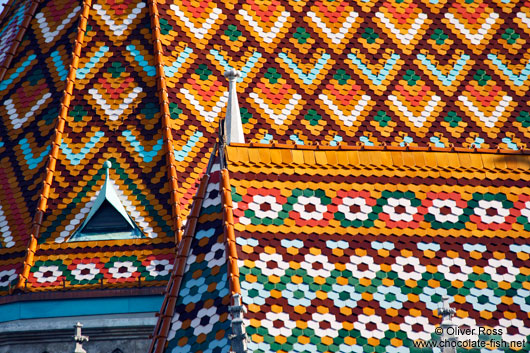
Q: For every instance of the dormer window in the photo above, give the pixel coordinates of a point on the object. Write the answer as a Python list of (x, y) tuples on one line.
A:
[(108, 219)]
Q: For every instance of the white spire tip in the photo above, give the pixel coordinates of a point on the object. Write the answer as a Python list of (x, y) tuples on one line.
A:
[(232, 74)]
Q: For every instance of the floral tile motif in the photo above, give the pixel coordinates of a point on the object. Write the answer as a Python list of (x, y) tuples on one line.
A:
[(397, 73), (318, 297), (398, 209), (85, 273), (388, 242)]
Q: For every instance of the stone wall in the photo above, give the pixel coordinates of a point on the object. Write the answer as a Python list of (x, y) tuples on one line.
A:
[(125, 333)]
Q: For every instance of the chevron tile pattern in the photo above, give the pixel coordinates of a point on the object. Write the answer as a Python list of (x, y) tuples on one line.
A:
[(114, 115), (387, 72), (436, 47), (11, 27)]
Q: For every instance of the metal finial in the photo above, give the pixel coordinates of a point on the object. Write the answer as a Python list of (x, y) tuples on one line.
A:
[(238, 338), (232, 74), (446, 312), (79, 339), (233, 125), (448, 326), (107, 165)]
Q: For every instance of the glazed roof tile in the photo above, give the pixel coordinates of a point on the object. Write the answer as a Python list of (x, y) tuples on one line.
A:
[(140, 84), (28, 90), (347, 249), (195, 314), (110, 111)]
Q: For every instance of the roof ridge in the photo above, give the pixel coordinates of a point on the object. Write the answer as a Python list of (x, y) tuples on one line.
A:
[(164, 319), (166, 116), (238, 336), (18, 39), (228, 217), (5, 10), (299, 159), (362, 147), (56, 142)]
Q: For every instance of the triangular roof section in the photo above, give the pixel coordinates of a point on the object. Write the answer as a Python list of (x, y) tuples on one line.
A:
[(351, 249), (106, 197), (197, 312)]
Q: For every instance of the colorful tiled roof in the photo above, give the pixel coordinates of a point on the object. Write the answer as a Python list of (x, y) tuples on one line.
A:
[(195, 315), (351, 249), (30, 95), (140, 83), (371, 72), (52, 149)]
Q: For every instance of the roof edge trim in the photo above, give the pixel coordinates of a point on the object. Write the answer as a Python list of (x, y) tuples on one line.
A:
[(166, 118), (230, 238), (56, 142), (238, 338), (170, 299), (345, 147), (5, 10), (362, 158), (18, 39)]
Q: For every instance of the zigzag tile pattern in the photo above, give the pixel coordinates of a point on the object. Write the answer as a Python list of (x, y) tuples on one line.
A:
[(114, 116), (441, 73), (201, 320), (398, 73), (29, 93), (353, 251)]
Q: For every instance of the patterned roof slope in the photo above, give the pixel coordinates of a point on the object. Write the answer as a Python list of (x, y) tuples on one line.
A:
[(195, 313), (109, 110), (140, 83), (350, 249), (371, 72), (29, 93), (114, 115), (14, 21)]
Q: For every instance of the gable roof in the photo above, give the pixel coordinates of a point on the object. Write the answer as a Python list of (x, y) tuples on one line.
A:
[(351, 249), (195, 312)]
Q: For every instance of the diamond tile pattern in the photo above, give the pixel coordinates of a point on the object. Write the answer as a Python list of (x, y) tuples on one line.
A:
[(363, 72), (114, 116), (11, 26), (392, 72)]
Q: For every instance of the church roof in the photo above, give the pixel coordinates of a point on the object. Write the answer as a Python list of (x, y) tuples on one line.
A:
[(71, 100), (420, 109), (345, 249)]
